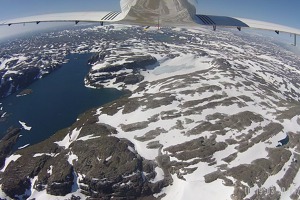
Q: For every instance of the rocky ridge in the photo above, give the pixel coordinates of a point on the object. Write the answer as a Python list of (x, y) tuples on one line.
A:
[(95, 162), (123, 68)]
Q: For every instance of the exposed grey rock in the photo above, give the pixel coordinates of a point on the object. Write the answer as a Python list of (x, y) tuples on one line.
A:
[(97, 57), (25, 92), (109, 165), (113, 107), (250, 174), (130, 79), (133, 61), (230, 158), (287, 180), (7, 143), (16, 178), (56, 176), (171, 114), (97, 130), (61, 180), (193, 103), (240, 191), (154, 145), (131, 105), (151, 135), (198, 148), (221, 63), (24, 78), (259, 170), (134, 126), (294, 141), (158, 100), (268, 131), (212, 176), (202, 89), (296, 194)]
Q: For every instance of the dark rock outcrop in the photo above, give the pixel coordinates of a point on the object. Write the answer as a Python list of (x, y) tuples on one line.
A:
[(7, 143), (113, 70), (25, 92), (130, 79), (111, 168), (197, 148), (61, 179), (101, 166), (97, 57), (25, 76), (135, 62), (16, 178), (13, 82)]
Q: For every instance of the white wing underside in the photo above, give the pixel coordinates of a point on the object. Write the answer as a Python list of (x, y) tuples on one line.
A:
[(68, 17), (223, 21), (125, 18)]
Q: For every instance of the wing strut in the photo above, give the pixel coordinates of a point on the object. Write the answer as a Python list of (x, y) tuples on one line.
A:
[(295, 40), (158, 25)]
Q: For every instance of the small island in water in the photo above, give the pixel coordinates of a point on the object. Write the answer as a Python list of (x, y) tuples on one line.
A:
[(25, 92)]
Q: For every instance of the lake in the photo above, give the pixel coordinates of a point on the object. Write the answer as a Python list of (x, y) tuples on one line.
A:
[(56, 101)]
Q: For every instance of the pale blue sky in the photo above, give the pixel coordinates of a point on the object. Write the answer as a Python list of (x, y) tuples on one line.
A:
[(284, 12)]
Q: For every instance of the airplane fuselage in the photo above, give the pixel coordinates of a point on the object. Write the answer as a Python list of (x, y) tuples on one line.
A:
[(158, 12)]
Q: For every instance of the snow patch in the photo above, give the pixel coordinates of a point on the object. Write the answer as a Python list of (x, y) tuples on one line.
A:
[(23, 124), (69, 139), (72, 157), (107, 159), (191, 189), (160, 175), (42, 154), (88, 137), (49, 171), (22, 147), (10, 159)]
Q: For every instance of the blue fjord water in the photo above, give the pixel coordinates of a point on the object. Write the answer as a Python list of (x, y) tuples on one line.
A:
[(56, 101)]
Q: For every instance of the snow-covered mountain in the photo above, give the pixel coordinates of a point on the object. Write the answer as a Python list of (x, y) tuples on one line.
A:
[(210, 115)]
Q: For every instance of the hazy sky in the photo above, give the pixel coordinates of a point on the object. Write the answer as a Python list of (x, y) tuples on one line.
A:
[(284, 12)]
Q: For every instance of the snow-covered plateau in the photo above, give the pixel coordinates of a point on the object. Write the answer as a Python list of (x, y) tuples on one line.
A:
[(210, 115)]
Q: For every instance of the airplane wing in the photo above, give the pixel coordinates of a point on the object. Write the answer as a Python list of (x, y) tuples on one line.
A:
[(239, 23), (144, 20), (68, 17)]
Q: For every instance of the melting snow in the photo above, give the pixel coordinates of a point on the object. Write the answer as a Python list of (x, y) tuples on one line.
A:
[(22, 147), (49, 171), (41, 154), (27, 128), (67, 141), (9, 160), (88, 137), (159, 175), (107, 159), (72, 157)]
